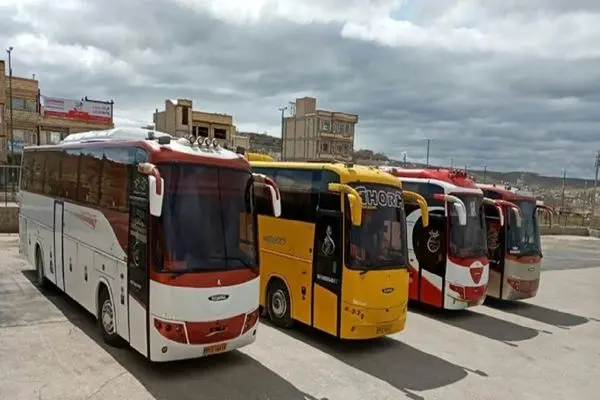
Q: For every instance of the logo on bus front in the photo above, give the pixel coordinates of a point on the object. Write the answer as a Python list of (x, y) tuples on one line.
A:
[(218, 297)]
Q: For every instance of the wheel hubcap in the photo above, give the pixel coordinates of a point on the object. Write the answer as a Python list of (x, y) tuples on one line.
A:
[(108, 317), (279, 303)]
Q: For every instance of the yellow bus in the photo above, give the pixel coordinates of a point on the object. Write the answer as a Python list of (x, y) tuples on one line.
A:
[(336, 259)]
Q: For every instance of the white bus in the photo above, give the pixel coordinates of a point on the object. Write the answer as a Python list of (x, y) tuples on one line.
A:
[(155, 236)]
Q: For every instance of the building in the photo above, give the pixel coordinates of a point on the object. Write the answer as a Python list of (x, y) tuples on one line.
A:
[(40, 119), (25, 114), (181, 120), (313, 134)]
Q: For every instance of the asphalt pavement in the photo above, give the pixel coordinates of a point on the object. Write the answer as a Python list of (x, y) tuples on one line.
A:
[(546, 348)]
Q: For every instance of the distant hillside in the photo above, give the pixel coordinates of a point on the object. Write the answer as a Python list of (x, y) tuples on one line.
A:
[(266, 143), (261, 142)]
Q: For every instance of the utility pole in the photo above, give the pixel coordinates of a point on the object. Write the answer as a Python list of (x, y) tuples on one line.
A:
[(484, 173), (562, 202), (282, 109), (597, 165), (10, 94), (404, 159), (428, 140)]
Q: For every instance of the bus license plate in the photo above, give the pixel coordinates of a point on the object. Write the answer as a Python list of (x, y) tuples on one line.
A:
[(383, 330), (217, 348)]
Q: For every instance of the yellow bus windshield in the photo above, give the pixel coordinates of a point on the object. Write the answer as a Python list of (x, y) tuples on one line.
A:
[(379, 242)]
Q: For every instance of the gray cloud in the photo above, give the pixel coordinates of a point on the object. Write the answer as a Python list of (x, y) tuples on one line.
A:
[(510, 110)]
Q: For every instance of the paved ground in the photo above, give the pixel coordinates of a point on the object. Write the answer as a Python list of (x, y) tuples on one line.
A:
[(544, 349)]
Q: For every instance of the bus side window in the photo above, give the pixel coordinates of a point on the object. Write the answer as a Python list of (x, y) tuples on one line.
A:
[(69, 173), (27, 170), (53, 161), (39, 163), (115, 178), (327, 199), (299, 193), (89, 178)]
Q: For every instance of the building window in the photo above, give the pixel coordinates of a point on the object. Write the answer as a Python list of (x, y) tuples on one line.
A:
[(202, 131), (185, 120), (325, 125), (325, 147), (20, 104), (220, 133)]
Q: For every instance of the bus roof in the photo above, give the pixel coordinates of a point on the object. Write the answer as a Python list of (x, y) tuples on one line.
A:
[(161, 146), (508, 193), (347, 172), (454, 177)]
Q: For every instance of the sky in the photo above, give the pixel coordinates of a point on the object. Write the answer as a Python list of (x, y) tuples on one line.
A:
[(511, 84)]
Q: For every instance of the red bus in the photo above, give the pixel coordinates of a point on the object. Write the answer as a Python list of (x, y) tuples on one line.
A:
[(514, 250)]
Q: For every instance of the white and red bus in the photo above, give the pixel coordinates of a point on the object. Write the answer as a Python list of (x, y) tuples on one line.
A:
[(448, 261), (155, 236), (514, 248)]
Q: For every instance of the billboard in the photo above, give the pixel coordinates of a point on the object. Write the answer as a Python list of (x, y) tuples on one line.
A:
[(80, 110)]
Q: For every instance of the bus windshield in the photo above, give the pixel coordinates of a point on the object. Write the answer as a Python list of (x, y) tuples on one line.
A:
[(380, 241), (525, 240), (469, 240), (208, 220)]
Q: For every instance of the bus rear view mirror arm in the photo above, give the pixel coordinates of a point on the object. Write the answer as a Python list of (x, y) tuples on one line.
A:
[(353, 198), (514, 209), (420, 200), (492, 202), (155, 187), (547, 209), (458, 205), (261, 180)]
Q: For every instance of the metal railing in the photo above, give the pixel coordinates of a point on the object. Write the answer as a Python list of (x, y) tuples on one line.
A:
[(9, 184)]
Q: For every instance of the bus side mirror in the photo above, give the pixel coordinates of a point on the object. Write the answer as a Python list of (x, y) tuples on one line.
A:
[(263, 181), (458, 205), (492, 202), (547, 209), (353, 198), (515, 209), (420, 200), (155, 187)]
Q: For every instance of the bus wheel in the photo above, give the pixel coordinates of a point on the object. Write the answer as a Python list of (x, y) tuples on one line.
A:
[(279, 305), (40, 279), (106, 319)]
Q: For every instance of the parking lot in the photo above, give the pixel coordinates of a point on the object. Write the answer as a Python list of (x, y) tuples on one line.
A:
[(547, 348)]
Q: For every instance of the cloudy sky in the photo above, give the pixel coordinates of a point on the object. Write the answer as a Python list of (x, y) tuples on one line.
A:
[(511, 83)]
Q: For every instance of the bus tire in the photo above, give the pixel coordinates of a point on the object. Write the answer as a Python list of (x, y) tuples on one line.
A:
[(279, 305), (107, 319), (40, 280)]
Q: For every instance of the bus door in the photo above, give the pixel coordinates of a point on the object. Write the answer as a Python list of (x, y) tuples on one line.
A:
[(138, 284), (430, 246), (57, 261), (327, 272), (496, 247)]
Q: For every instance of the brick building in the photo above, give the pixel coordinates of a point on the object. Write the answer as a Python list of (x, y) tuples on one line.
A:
[(314, 134), (181, 120), (36, 124)]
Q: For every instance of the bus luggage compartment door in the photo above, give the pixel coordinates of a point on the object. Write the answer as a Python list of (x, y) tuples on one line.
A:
[(327, 271)]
